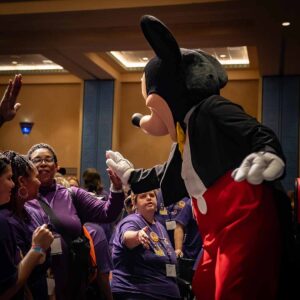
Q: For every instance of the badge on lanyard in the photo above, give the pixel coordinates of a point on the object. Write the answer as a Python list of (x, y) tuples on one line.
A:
[(170, 270), (154, 237), (163, 211), (56, 248), (170, 225), (158, 251), (181, 204)]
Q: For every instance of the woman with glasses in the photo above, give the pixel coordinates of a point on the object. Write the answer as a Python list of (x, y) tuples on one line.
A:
[(72, 213), (143, 257), (14, 271)]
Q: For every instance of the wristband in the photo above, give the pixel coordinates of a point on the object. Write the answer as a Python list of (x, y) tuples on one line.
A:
[(39, 249)]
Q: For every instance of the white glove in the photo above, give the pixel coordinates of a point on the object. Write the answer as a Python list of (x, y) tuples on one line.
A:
[(120, 165), (259, 166)]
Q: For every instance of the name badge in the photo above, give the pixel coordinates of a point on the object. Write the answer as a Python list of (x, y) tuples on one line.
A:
[(170, 270), (56, 246), (171, 225)]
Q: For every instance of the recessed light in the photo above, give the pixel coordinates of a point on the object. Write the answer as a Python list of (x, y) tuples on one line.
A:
[(285, 24), (47, 61), (145, 58), (223, 55), (14, 62)]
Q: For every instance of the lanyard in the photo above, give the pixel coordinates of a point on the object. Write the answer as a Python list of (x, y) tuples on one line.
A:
[(160, 237)]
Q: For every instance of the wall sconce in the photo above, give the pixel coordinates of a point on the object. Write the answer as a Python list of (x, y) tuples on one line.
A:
[(26, 127)]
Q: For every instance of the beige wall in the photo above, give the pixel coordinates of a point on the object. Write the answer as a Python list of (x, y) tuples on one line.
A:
[(54, 105), (245, 93), (55, 109), (144, 150)]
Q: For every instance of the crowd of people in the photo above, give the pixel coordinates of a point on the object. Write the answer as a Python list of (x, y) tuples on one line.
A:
[(136, 241)]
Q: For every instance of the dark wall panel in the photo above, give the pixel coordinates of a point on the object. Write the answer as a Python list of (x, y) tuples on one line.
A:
[(97, 125), (280, 111)]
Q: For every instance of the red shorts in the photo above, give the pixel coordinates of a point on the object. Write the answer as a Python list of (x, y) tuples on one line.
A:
[(241, 242)]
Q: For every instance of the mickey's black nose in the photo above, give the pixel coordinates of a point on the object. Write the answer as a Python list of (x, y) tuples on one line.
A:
[(136, 118)]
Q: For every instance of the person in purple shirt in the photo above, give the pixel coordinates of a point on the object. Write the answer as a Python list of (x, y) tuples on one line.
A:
[(104, 262), (188, 242), (72, 214), (15, 271), (166, 214), (143, 257), (25, 220)]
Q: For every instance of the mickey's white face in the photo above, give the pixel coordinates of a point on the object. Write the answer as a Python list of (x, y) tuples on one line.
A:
[(161, 121)]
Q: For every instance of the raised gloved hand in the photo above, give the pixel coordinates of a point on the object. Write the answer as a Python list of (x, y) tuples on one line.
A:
[(120, 165), (259, 166)]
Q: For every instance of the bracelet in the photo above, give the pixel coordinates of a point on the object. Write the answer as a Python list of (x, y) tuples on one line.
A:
[(39, 249)]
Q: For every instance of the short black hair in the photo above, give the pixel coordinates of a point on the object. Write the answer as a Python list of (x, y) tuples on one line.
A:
[(42, 146)]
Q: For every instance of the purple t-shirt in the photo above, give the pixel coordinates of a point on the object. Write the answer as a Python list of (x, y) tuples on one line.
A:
[(23, 229), (139, 270), (166, 214), (102, 251), (9, 258), (88, 209), (192, 242)]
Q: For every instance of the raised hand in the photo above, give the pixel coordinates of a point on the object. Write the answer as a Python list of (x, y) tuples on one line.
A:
[(114, 179), (259, 166), (120, 165), (8, 105)]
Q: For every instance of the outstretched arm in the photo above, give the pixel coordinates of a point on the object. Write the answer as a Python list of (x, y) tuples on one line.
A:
[(8, 105)]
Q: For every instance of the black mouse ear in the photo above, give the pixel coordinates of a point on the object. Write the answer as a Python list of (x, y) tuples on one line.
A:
[(160, 39)]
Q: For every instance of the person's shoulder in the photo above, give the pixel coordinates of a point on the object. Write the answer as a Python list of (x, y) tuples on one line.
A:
[(131, 218)]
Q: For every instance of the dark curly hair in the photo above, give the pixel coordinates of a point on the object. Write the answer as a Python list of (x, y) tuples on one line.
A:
[(42, 146), (4, 162), (21, 166)]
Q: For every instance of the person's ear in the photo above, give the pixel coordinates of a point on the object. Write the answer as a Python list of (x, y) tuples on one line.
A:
[(21, 181), (160, 39)]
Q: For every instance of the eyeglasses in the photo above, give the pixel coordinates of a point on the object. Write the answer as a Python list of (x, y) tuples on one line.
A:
[(39, 160)]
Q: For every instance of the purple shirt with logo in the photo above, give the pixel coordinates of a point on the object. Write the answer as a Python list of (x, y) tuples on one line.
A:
[(139, 270), (86, 208), (192, 242), (165, 214)]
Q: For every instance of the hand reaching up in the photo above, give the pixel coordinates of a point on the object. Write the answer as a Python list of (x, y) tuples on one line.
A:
[(8, 105)]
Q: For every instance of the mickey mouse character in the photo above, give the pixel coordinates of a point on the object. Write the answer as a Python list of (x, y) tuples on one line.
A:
[(222, 158)]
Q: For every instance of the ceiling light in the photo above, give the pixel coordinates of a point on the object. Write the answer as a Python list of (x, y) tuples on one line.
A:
[(285, 24), (136, 60), (30, 67), (28, 63)]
